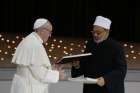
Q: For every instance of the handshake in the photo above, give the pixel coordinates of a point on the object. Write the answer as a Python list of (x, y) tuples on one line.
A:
[(61, 68)]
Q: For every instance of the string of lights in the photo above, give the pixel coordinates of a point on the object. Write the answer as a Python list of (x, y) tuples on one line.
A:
[(59, 47)]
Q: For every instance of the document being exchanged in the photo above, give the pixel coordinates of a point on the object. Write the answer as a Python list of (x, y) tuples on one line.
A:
[(83, 80), (71, 58)]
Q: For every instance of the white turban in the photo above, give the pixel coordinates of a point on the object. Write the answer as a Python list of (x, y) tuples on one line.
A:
[(39, 22), (103, 22)]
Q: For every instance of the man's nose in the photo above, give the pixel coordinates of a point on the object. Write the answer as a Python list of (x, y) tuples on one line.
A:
[(95, 34)]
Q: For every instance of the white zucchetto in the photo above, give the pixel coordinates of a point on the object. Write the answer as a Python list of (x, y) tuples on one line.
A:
[(39, 22), (103, 22)]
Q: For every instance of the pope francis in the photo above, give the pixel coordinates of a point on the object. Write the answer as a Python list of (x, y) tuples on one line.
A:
[(34, 71)]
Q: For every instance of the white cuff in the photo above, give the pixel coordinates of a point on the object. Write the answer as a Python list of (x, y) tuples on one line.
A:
[(52, 76)]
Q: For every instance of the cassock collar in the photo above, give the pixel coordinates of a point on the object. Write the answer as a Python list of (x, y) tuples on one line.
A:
[(38, 37)]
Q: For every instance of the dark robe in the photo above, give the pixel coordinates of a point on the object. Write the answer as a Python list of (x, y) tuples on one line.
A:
[(107, 61)]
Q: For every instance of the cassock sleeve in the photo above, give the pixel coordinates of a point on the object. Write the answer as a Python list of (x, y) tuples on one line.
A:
[(115, 79), (76, 72), (44, 74), (40, 66)]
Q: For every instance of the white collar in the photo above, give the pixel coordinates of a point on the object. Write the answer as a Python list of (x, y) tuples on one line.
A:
[(37, 36)]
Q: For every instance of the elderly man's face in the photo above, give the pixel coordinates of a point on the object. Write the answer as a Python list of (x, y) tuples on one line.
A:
[(45, 32), (99, 34)]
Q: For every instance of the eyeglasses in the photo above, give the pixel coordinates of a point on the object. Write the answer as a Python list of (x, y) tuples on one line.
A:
[(98, 32)]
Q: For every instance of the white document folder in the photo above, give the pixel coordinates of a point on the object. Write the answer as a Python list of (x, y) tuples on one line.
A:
[(71, 58)]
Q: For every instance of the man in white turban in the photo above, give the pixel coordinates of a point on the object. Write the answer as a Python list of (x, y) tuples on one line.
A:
[(107, 64), (34, 71)]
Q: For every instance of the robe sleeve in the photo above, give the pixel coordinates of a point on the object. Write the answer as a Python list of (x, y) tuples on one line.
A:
[(76, 72), (115, 79), (44, 74)]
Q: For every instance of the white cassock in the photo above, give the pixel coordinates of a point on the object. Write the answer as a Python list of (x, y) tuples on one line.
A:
[(34, 71)]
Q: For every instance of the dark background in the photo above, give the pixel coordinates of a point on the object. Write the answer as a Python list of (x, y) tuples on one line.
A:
[(72, 18)]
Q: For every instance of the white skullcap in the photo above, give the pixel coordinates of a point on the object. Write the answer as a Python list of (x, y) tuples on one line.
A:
[(103, 22), (39, 22)]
